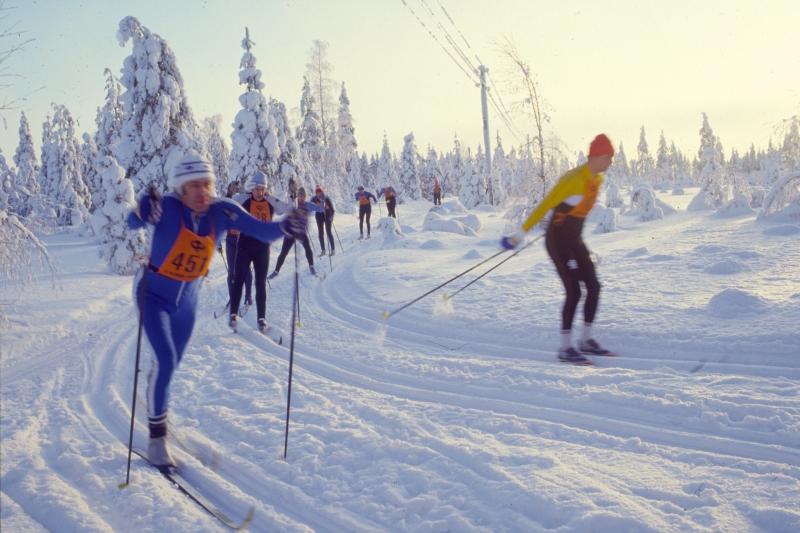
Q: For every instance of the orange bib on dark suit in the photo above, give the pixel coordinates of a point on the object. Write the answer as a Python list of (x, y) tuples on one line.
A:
[(189, 257), (261, 210)]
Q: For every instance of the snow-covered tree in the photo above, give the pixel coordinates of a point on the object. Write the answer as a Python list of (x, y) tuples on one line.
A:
[(110, 118), (619, 171), (217, 151), (783, 198), (310, 134), (159, 127), (644, 161), (385, 171), (347, 141), (790, 151), (89, 155), (409, 174), (25, 160), (290, 162), (321, 87), (643, 203), (254, 140), (613, 196), (457, 169), (60, 173), (122, 247), (472, 185), (9, 196)]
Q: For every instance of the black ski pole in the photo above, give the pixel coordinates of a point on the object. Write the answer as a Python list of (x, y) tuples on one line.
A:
[(450, 297), (386, 314), (224, 262), (337, 236), (308, 236), (136, 377), (330, 247), (291, 351)]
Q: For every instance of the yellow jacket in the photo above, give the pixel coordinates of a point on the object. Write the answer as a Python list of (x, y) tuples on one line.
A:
[(578, 181)]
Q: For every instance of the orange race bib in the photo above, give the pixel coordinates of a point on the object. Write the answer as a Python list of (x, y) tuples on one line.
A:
[(261, 210), (189, 257), (582, 209), (363, 200)]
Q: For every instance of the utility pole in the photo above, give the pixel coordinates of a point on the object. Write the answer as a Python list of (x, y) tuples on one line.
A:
[(483, 70)]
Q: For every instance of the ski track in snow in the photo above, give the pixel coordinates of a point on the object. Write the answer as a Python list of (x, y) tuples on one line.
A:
[(429, 421)]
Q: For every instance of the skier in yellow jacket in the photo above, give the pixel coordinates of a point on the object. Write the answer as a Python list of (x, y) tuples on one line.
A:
[(571, 200)]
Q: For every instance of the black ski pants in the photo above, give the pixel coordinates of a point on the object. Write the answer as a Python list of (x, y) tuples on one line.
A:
[(574, 264), (287, 245), (250, 250), (322, 220), (437, 198), (230, 256), (390, 206), (364, 210)]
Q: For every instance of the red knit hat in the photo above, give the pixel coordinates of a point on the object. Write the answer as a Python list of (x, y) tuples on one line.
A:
[(319, 190), (601, 145)]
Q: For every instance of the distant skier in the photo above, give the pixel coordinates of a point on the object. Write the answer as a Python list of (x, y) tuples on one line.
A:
[(324, 219), (187, 224), (391, 199), (250, 250), (437, 193), (571, 199), (364, 209), (302, 239), (231, 240)]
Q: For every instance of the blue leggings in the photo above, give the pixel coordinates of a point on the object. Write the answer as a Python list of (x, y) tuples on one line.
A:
[(168, 327)]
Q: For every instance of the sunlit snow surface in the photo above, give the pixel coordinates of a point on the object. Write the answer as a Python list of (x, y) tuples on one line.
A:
[(450, 416)]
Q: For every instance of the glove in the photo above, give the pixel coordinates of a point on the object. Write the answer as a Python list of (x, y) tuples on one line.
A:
[(296, 223), (509, 243), (149, 209)]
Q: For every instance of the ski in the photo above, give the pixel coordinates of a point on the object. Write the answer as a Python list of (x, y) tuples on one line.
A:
[(272, 334), (184, 486), (245, 308), (223, 311)]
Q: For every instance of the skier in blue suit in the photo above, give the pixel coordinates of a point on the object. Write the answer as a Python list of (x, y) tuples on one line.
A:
[(187, 224)]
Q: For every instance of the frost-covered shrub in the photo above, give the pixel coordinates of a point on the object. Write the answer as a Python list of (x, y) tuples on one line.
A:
[(757, 195), (783, 199), (434, 222), (613, 197), (123, 247), (643, 203), (454, 206), (702, 202), (409, 174), (606, 221), (389, 228), (739, 205), (473, 186), (678, 191)]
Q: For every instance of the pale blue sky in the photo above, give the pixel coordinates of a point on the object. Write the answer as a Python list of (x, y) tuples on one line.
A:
[(610, 66)]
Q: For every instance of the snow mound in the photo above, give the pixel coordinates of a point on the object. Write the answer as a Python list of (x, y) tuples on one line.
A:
[(711, 249), (727, 266), (439, 209), (637, 252), (389, 228), (661, 257), (433, 244), (702, 202), (606, 221), (470, 221), (731, 303), (485, 208), (407, 229), (473, 254), (737, 207), (787, 229), (665, 207), (454, 206), (434, 222)]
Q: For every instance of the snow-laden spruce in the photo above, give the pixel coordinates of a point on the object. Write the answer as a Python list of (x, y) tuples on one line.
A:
[(409, 174), (60, 178), (217, 151), (473, 184), (159, 126), (121, 246), (291, 164), (110, 118), (254, 140), (346, 132), (309, 135), (93, 182), (26, 182), (386, 175)]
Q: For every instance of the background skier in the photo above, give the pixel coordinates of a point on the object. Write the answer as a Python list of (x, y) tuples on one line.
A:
[(289, 240), (364, 209), (391, 199), (325, 218)]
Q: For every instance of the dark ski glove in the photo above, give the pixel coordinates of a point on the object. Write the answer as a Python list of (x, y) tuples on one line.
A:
[(296, 223), (149, 209)]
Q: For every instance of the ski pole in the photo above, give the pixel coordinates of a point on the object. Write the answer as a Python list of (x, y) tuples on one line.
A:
[(450, 297), (380, 211), (387, 314), (224, 262), (136, 378), (330, 247), (291, 351), (308, 236), (337, 236)]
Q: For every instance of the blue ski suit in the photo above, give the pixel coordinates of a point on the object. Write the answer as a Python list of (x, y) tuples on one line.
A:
[(170, 305)]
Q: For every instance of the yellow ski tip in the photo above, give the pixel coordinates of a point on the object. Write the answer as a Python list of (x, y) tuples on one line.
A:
[(122, 486), (299, 325), (385, 315), (445, 297)]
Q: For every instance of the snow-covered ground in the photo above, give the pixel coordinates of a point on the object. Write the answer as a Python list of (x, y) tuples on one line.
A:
[(447, 417)]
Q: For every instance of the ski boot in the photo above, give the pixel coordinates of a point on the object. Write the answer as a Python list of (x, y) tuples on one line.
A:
[(234, 323), (333, 252), (312, 270), (571, 355), (322, 253), (591, 347), (158, 453), (262, 325)]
